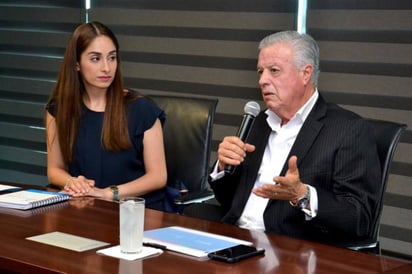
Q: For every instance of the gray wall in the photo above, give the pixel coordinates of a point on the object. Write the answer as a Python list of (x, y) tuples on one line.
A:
[(208, 48), (366, 63), (33, 36)]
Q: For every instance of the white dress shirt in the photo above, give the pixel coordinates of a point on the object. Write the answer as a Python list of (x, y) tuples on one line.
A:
[(280, 142)]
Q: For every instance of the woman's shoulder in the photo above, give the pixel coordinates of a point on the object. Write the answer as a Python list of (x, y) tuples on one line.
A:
[(143, 106), (142, 103), (134, 97)]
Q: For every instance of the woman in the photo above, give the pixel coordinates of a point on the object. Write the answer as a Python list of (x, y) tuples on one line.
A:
[(102, 140)]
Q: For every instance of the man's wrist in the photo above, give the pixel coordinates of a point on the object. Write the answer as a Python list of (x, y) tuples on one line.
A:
[(303, 201)]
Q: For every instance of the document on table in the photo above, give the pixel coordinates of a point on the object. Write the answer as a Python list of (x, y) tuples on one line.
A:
[(6, 188), (189, 241), (67, 241)]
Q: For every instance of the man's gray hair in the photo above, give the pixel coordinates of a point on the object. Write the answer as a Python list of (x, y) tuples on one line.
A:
[(306, 50)]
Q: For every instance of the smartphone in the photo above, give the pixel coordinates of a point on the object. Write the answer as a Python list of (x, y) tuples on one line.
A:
[(235, 253)]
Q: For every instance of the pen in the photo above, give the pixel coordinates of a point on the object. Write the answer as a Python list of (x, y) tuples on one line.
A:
[(155, 245)]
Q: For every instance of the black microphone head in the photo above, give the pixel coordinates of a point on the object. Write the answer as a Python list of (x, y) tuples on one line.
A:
[(252, 108)]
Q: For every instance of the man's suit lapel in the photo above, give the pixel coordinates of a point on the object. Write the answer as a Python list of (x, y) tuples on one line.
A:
[(308, 132)]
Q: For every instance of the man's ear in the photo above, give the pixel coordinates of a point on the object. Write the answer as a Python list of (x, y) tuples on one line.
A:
[(307, 73)]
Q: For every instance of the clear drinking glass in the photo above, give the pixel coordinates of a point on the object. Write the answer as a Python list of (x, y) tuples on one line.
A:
[(131, 224)]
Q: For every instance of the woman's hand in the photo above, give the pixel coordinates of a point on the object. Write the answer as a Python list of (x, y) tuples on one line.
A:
[(78, 186)]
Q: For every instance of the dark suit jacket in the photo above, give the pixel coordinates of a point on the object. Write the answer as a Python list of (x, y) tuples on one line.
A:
[(337, 155)]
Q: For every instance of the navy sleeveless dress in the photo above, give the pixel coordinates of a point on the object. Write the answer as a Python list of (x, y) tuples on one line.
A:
[(107, 168)]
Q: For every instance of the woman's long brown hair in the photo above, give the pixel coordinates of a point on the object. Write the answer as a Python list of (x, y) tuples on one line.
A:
[(69, 91)]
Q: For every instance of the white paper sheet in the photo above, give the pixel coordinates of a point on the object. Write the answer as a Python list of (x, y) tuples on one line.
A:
[(7, 187), (67, 241)]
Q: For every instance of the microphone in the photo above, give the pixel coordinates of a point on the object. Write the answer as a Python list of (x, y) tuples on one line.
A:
[(251, 110)]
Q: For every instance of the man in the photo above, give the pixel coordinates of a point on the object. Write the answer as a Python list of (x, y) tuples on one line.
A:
[(308, 169)]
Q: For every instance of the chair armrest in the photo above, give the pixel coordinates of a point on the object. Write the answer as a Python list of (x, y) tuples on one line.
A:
[(366, 245), (195, 197)]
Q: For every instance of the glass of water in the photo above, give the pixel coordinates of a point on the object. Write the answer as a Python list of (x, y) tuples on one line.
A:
[(131, 224)]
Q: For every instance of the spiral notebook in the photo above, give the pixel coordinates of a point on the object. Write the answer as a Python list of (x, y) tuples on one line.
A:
[(31, 198), (34, 211)]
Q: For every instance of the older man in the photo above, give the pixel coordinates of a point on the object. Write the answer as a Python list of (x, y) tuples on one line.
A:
[(308, 169)]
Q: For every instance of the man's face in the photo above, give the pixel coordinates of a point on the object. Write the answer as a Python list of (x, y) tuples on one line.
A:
[(284, 87)]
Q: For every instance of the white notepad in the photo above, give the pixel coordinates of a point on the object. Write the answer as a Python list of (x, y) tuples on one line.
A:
[(31, 198), (8, 187)]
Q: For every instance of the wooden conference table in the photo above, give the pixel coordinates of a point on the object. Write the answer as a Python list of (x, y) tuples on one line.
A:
[(99, 220)]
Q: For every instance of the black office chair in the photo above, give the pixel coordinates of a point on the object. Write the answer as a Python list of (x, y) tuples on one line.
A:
[(387, 137), (187, 137)]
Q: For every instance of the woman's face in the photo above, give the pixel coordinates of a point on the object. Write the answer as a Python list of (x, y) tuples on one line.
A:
[(98, 64)]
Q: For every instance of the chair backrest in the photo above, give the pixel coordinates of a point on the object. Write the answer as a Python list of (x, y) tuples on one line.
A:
[(187, 137), (387, 136)]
